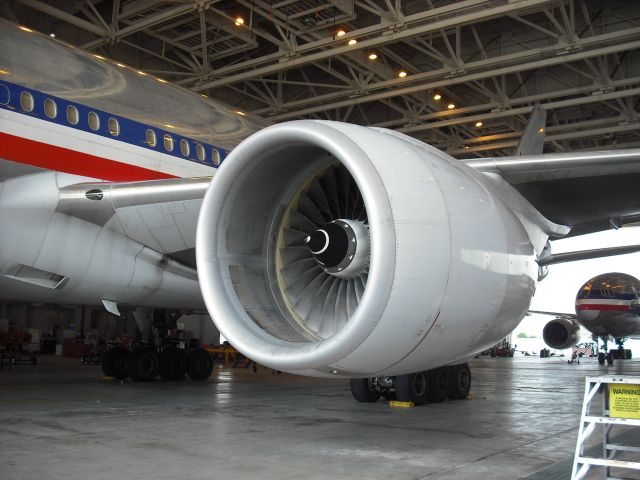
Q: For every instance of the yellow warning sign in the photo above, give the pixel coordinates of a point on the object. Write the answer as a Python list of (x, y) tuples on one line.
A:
[(624, 400)]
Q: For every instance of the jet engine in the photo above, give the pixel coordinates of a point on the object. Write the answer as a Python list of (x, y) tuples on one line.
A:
[(327, 249), (561, 333)]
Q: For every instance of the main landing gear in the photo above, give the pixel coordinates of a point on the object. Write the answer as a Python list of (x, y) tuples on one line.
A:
[(605, 354), (437, 385), (143, 363), (619, 353)]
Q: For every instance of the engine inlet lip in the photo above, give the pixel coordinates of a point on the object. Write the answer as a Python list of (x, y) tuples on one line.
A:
[(219, 295)]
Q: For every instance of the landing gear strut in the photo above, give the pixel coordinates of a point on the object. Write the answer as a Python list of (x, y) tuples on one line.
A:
[(437, 385), (605, 354)]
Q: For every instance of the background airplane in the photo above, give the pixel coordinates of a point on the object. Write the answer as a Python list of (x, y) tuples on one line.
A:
[(414, 261), (608, 306)]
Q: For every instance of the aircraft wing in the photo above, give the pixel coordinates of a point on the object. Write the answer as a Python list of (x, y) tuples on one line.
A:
[(589, 191), (571, 316), (161, 214)]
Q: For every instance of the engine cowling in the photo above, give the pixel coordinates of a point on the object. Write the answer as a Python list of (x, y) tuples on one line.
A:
[(326, 249), (561, 333)]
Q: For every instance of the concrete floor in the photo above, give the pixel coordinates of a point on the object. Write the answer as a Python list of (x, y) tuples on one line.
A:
[(64, 421)]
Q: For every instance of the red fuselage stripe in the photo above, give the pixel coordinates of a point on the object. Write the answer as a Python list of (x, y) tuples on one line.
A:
[(51, 157), (602, 306)]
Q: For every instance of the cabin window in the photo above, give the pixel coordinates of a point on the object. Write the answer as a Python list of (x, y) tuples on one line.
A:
[(94, 121), (26, 101), (5, 95), (184, 147), (114, 127), (50, 108), (73, 117), (215, 157), (200, 152), (168, 142), (151, 138)]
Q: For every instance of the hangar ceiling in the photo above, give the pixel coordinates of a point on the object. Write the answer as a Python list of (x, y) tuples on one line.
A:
[(490, 60)]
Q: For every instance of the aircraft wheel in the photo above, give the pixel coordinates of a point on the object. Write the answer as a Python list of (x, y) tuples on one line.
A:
[(173, 364), (601, 358), (362, 390), (142, 365), (121, 357), (199, 364), (610, 358), (460, 381), (107, 362), (440, 384), (413, 387)]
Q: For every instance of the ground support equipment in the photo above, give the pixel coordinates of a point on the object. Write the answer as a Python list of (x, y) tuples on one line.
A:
[(589, 422)]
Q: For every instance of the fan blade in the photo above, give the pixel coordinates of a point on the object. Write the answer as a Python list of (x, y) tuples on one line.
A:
[(310, 210), (313, 319), (302, 223), (330, 187), (317, 195), (294, 238)]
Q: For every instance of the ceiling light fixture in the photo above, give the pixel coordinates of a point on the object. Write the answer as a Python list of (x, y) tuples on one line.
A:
[(437, 97), (478, 124), (239, 21), (451, 106), (340, 33), (373, 56), (402, 74), (352, 42)]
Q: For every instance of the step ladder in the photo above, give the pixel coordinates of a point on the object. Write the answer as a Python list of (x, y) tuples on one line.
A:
[(589, 422)]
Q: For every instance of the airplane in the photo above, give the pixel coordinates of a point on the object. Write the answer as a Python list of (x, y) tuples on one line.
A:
[(321, 248), (608, 306)]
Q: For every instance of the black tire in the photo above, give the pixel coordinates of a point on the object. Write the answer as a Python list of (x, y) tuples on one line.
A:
[(610, 358), (460, 381), (440, 384), (199, 364), (107, 362), (414, 387), (601, 358), (120, 361), (362, 390), (142, 365), (173, 364), (627, 354)]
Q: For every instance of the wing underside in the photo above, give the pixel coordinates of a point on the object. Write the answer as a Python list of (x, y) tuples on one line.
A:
[(589, 191), (161, 214)]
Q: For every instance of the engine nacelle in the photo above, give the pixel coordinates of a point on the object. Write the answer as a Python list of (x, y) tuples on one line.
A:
[(561, 333), (326, 249)]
